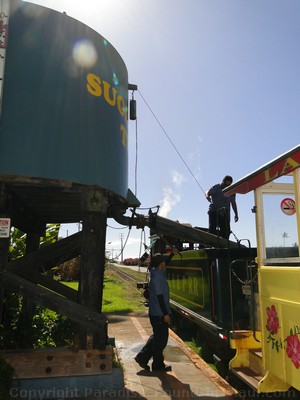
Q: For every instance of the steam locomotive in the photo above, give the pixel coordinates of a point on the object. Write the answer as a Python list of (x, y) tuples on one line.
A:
[(246, 299)]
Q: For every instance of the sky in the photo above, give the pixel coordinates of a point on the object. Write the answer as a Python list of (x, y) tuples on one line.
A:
[(218, 83)]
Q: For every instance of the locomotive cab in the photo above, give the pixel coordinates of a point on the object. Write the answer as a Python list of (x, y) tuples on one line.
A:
[(268, 355)]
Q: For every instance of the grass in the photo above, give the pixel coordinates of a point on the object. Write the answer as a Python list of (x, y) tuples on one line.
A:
[(198, 349), (73, 284), (118, 296)]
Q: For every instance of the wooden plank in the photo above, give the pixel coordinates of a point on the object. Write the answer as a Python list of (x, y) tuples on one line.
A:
[(248, 376), (47, 363), (79, 313), (48, 256), (55, 286), (32, 181)]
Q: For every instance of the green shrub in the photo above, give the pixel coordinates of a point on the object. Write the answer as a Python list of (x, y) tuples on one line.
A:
[(25, 325), (52, 329)]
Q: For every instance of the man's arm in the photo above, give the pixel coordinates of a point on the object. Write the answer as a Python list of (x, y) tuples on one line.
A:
[(235, 210), (208, 195), (163, 307), (162, 304), (169, 257)]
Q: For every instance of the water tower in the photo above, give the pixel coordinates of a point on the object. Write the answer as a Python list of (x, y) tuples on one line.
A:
[(63, 157)]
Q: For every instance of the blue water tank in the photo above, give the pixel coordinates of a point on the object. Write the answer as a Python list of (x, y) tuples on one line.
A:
[(64, 110)]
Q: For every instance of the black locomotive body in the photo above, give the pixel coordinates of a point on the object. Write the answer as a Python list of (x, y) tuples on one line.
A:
[(209, 287)]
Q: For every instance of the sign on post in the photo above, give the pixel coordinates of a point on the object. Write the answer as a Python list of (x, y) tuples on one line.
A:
[(288, 206), (4, 227)]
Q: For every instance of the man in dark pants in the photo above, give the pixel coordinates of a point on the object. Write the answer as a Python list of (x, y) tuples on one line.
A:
[(219, 208), (160, 316)]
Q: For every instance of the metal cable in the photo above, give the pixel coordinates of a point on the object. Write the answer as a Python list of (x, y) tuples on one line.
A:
[(175, 148)]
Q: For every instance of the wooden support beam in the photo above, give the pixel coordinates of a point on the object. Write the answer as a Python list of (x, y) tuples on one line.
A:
[(94, 321), (92, 260), (48, 256), (4, 246), (28, 306)]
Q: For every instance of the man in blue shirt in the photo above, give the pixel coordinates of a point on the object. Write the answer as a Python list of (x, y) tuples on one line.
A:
[(219, 208), (159, 314)]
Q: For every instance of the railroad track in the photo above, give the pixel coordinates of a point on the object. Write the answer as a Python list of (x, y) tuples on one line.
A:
[(126, 278)]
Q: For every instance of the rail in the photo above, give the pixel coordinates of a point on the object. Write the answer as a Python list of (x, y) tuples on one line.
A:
[(248, 290), (125, 277)]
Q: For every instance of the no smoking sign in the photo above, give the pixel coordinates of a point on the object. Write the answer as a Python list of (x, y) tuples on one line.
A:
[(288, 206)]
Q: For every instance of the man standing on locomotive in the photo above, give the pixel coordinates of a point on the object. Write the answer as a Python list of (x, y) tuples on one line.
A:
[(219, 208), (159, 314)]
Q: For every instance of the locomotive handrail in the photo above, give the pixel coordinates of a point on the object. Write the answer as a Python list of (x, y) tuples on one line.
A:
[(246, 240), (250, 282), (252, 315), (231, 296)]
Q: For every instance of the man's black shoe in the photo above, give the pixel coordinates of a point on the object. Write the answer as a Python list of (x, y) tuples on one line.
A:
[(165, 368), (141, 363)]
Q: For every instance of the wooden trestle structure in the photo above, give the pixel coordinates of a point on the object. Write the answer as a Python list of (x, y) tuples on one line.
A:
[(31, 204)]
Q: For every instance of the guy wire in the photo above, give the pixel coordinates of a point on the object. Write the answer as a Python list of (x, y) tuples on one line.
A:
[(175, 148), (136, 158)]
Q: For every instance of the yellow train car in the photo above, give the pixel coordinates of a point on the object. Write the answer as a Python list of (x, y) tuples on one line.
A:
[(268, 356)]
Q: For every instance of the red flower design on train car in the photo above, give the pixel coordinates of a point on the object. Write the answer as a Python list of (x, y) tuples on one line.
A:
[(293, 349), (272, 321)]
